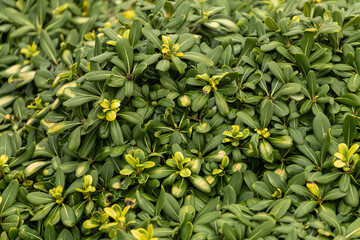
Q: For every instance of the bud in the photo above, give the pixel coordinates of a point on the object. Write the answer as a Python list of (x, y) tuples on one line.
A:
[(237, 166), (210, 180), (88, 181), (277, 193), (104, 199), (280, 172), (129, 14), (89, 207), (296, 18), (184, 101), (314, 188), (107, 24), (130, 202), (206, 89)]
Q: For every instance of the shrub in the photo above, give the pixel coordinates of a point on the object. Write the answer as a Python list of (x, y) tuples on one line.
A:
[(179, 119)]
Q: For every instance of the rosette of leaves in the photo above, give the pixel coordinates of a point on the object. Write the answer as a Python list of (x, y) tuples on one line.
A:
[(111, 221), (174, 48), (172, 129), (218, 86), (127, 68), (189, 216), (176, 173), (237, 139), (52, 204), (261, 139), (102, 120), (136, 167), (223, 173), (144, 234), (210, 21)]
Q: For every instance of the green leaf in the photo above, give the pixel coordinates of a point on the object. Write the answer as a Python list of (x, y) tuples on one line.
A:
[(344, 182), (352, 196), (39, 198), (100, 75), (321, 125), (325, 146), (353, 230), (349, 129), (245, 118), (301, 190), (262, 230), (116, 133), (221, 104), (43, 212), (271, 24), (304, 208), (103, 57), (200, 183), (110, 33), (27, 233), (59, 22), (276, 71), (186, 231), (5, 145), (67, 216), (131, 117), (171, 207), (199, 102), (145, 204), (303, 63), (353, 84), (180, 65), (21, 31), (280, 208), (149, 34), (135, 32), (78, 97), (34, 167), (330, 27), (311, 83), (349, 99), (229, 195), (61, 127), (262, 189), (333, 194), (213, 143), (160, 203), (9, 195), (47, 46), (266, 151), (207, 218), (198, 57), (88, 143), (17, 17), (307, 40), (215, 54), (126, 53), (228, 232), (329, 216), (209, 207), (24, 155), (65, 234), (186, 41), (328, 177), (163, 65), (266, 112)]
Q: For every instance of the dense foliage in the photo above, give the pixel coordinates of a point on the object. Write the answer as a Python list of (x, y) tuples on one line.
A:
[(188, 119)]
